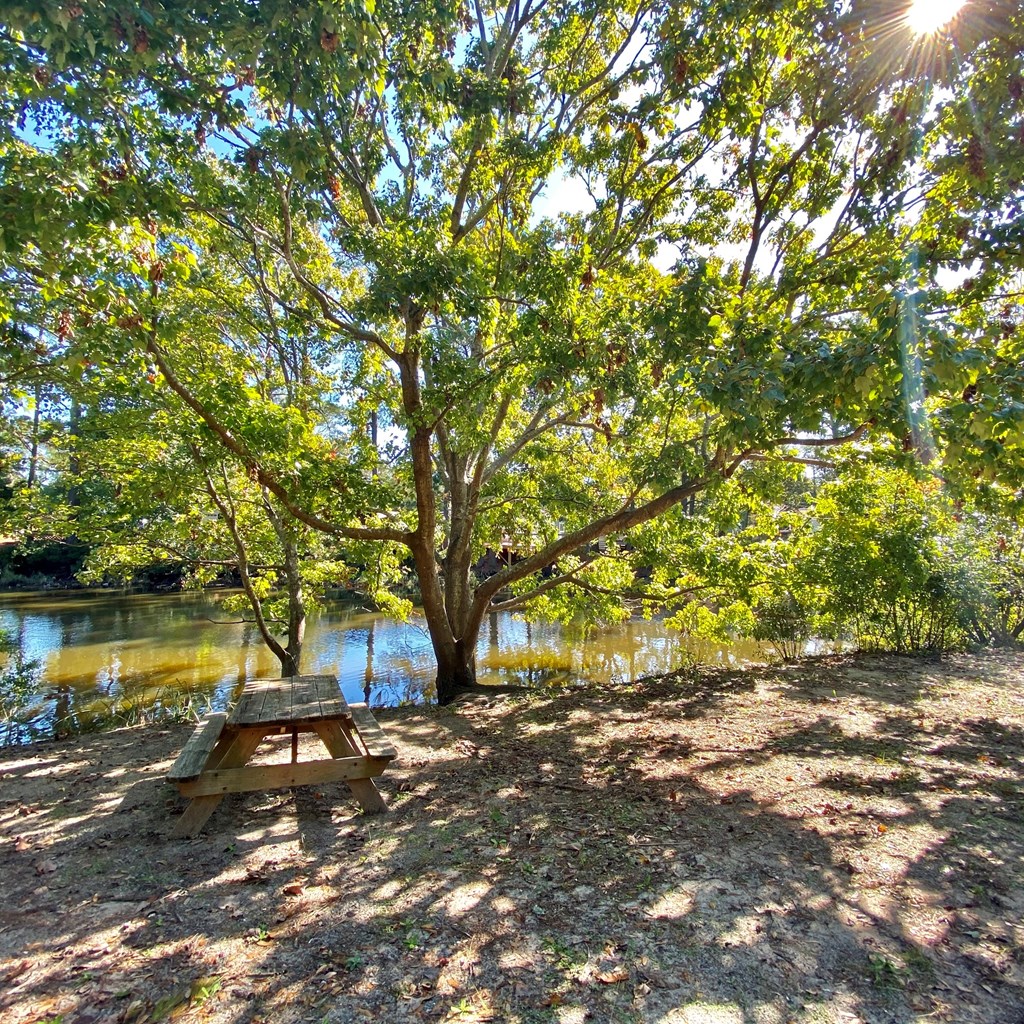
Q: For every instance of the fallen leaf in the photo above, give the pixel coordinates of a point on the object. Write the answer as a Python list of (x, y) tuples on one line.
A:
[(446, 985), (613, 976), (295, 889), (45, 867), (134, 1010), (21, 844)]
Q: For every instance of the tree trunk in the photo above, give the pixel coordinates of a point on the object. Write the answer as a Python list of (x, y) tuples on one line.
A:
[(291, 657), (33, 458), (456, 671)]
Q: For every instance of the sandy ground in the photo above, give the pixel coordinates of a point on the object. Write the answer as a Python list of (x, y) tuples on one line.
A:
[(828, 842)]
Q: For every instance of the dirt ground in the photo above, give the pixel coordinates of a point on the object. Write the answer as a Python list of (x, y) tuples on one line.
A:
[(828, 842)]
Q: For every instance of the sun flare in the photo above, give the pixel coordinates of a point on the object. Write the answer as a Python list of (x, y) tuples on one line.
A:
[(928, 16)]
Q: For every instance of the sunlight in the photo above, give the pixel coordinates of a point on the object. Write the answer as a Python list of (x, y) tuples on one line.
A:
[(925, 17)]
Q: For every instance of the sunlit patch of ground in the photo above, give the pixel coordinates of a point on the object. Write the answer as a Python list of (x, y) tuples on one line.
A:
[(823, 843)]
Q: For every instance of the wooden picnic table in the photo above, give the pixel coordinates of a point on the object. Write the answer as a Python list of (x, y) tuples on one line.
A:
[(214, 762)]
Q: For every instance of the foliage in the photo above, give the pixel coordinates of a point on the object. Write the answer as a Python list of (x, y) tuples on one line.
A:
[(876, 560), (783, 623), (988, 546), (882, 558), (304, 224)]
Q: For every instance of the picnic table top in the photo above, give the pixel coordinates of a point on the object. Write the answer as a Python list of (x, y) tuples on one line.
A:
[(297, 700)]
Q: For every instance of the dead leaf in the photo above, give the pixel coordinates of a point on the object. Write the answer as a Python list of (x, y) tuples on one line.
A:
[(21, 844), (446, 985), (295, 889), (45, 867), (135, 1010), (613, 976)]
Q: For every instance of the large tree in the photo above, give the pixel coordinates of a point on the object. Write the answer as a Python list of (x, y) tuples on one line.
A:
[(474, 203)]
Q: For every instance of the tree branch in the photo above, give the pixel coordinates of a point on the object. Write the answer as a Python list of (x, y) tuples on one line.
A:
[(233, 445)]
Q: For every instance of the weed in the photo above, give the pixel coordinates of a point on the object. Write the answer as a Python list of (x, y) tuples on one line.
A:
[(883, 973), (918, 962), (354, 962), (204, 989), (565, 958)]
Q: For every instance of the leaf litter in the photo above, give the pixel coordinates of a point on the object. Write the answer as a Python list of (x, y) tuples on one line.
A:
[(827, 841)]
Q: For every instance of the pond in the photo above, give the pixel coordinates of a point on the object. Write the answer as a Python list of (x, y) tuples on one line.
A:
[(105, 655)]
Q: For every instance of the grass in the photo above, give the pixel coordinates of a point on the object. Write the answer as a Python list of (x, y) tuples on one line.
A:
[(918, 963), (883, 973)]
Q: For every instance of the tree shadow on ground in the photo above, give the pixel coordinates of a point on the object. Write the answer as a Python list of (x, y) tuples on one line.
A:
[(730, 847)]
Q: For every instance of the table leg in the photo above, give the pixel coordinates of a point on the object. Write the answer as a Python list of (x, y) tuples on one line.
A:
[(340, 745), (230, 752)]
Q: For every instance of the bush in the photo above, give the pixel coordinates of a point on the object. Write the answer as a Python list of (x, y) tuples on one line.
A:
[(879, 558), (784, 624)]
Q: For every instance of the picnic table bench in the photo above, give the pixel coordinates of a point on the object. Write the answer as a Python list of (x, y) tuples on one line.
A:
[(215, 759)]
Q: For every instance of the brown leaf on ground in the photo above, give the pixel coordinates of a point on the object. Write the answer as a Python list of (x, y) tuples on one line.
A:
[(594, 825)]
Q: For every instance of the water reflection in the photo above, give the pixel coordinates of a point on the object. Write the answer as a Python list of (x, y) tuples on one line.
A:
[(100, 652)]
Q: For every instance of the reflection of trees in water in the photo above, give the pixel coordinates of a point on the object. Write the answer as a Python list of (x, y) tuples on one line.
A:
[(144, 652), (242, 661), (62, 721), (368, 676)]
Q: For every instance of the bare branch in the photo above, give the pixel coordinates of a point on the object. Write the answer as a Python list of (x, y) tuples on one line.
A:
[(818, 442), (543, 588)]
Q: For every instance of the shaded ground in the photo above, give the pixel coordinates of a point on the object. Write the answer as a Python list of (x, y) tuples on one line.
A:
[(833, 841)]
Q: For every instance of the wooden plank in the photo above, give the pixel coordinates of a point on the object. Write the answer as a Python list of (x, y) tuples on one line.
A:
[(373, 736), (298, 700), (200, 808), (250, 705), (348, 730), (332, 701), (363, 789), (199, 748), (277, 707), (224, 744), (305, 700), (278, 776)]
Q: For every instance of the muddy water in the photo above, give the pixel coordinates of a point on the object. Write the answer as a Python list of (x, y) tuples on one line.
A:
[(101, 653)]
